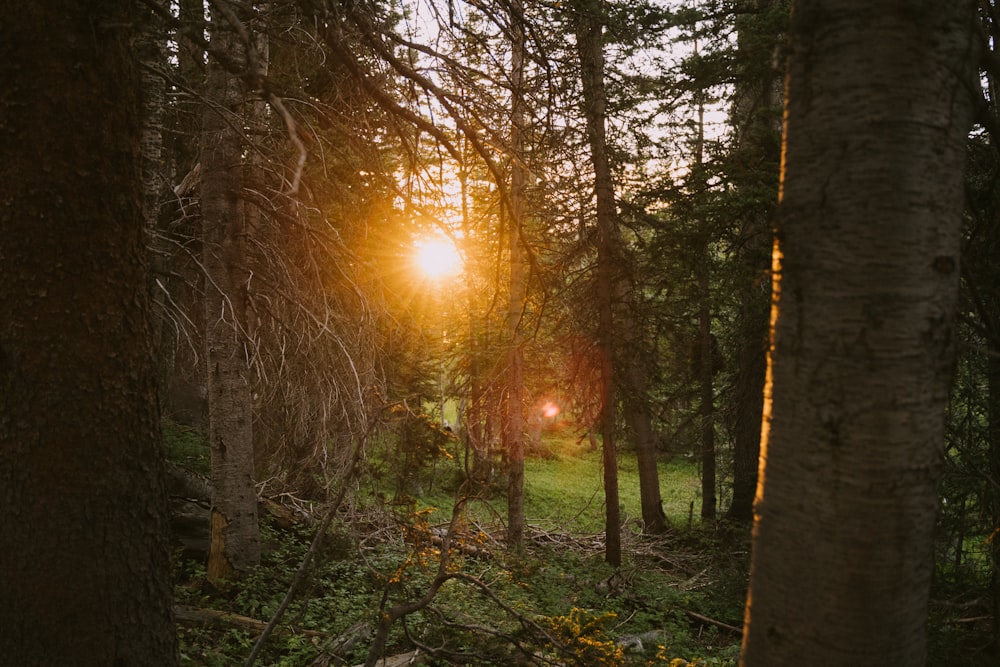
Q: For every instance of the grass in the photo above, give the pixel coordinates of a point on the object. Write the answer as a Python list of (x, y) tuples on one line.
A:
[(186, 447), (568, 490), (564, 490)]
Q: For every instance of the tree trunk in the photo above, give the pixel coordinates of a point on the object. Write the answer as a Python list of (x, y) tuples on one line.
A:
[(590, 45), (235, 545), (706, 377), (751, 364), (151, 57), (514, 430), (757, 119), (865, 283), (637, 413), (706, 343), (83, 510), (993, 388)]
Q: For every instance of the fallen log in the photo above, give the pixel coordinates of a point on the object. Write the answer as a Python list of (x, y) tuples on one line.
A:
[(400, 660), (214, 617), (711, 621)]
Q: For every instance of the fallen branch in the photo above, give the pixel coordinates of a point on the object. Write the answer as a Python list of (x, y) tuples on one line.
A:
[(215, 617), (400, 660), (711, 621)]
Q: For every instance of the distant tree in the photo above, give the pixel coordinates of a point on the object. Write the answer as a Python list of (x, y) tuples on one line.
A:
[(83, 513), (866, 264)]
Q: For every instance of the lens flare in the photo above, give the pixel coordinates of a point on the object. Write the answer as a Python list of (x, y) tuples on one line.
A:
[(437, 257)]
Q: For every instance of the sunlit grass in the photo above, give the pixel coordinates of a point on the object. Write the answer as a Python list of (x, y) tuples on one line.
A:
[(564, 490), (568, 491)]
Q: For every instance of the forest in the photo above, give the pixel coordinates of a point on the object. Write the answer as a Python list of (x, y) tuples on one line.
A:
[(500, 332)]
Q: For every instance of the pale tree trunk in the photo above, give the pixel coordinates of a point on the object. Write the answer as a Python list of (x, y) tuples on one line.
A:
[(85, 566), (590, 44), (255, 226), (235, 543), (514, 431), (191, 68), (866, 277)]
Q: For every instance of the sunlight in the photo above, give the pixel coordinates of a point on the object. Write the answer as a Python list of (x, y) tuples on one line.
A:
[(437, 258)]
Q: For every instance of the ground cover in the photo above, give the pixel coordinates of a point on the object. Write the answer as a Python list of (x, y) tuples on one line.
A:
[(677, 600), (555, 603)]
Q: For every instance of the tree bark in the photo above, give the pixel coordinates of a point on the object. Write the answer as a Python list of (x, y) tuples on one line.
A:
[(751, 364), (590, 44), (755, 168), (993, 387), (637, 413), (865, 282), (706, 377), (235, 545), (514, 431), (83, 511)]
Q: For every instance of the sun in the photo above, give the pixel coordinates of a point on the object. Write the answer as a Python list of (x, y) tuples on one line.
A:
[(437, 257)]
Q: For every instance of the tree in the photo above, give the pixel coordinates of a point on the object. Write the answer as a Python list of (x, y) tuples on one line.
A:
[(752, 166), (878, 103), (83, 513), (514, 428), (235, 545), (589, 18)]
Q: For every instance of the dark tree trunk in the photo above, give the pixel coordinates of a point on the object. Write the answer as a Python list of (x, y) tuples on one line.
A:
[(706, 377), (85, 575), (754, 166), (993, 374), (751, 363), (590, 45), (637, 413)]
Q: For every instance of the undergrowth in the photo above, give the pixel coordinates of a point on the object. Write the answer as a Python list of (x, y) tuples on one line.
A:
[(555, 603), (497, 615), (676, 602)]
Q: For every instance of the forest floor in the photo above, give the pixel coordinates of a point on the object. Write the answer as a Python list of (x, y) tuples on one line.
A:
[(677, 600)]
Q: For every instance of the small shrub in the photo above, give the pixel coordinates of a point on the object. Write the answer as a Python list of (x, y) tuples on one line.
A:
[(582, 633)]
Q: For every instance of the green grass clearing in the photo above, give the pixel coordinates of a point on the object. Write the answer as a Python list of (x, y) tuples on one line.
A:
[(564, 490)]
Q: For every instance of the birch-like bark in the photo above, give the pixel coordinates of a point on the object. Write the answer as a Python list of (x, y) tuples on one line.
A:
[(866, 262)]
